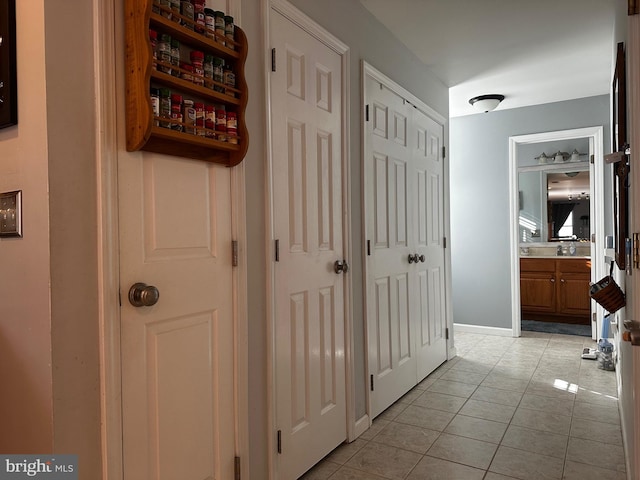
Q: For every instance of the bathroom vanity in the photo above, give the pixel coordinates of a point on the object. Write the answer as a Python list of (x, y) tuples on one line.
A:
[(555, 289)]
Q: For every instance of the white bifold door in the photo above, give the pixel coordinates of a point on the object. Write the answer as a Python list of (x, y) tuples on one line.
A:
[(404, 228)]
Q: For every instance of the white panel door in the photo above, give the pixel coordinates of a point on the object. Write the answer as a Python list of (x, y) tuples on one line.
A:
[(404, 227), (178, 355), (308, 208), (428, 198), (389, 176)]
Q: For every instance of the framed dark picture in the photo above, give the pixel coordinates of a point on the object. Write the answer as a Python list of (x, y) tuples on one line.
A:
[(8, 80), (620, 167), (619, 98)]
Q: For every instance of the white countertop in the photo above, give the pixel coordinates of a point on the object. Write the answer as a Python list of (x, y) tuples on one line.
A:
[(556, 256)]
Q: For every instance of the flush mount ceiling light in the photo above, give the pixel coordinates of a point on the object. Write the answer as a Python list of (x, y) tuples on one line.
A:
[(486, 103)]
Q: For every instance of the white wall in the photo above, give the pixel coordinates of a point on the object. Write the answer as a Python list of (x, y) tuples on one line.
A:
[(49, 348), (26, 408), (479, 191)]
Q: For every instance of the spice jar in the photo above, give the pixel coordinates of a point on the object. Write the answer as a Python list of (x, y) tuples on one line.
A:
[(175, 10), (165, 108), (209, 22), (221, 123), (175, 57), (199, 118), (186, 9), (218, 74), (153, 38), (198, 15), (220, 27), (176, 112), (232, 127), (165, 9), (187, 71), (229, 30), (189, 116), (210, 120), (229, 80), (164, 53), (155, 104), (208, 70), (197, 60)]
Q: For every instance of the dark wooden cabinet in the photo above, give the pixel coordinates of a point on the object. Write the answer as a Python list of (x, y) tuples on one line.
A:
[(555, 289)]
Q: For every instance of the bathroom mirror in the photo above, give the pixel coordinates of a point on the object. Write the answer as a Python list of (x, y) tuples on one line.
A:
[(554, 204)]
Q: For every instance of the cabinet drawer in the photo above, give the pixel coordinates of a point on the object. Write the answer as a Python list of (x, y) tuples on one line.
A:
[(574, 265), (537, 265)]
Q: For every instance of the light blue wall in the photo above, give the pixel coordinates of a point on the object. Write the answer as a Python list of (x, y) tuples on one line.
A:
[(479, 189)]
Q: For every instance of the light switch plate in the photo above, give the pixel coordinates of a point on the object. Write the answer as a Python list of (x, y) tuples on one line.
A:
[(11, 214)]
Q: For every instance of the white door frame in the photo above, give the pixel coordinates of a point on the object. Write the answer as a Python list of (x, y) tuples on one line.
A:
[(368, 70), (595, 135), (109, 86), (294, 15)]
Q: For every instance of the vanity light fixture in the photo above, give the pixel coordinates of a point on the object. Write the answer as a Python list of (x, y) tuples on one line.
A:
[(575, 156), (486, 103), (542, 158)]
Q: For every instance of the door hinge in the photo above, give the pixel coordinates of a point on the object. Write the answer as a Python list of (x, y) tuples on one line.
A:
[(636, 250), (444, 152), (446, 334), (120, 297), (368, 248), (444, 242), (234, 253), (372, 383), (592, 159), (236, 469), (273, 59), (277, 250), (366, 113), (279, 441)]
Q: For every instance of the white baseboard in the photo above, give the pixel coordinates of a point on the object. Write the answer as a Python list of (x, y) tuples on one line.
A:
[(362, 425), (500, 332)]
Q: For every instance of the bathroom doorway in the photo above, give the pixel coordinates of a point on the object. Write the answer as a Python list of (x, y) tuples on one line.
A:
[(557, 225)]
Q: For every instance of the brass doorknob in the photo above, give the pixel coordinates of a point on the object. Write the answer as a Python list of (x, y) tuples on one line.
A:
[(143, 295)]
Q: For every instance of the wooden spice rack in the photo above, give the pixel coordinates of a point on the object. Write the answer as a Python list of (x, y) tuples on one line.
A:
[(142, 132)]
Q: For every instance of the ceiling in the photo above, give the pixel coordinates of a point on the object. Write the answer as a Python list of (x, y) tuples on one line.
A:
[(568, 186), (533, 52)]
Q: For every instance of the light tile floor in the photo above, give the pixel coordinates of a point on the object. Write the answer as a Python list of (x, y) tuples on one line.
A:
[(504, 408)]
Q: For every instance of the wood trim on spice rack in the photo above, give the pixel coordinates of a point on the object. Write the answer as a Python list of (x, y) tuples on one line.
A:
[(142, 134)]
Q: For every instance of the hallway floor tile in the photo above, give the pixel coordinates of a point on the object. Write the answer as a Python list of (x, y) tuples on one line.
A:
[(503, 409)]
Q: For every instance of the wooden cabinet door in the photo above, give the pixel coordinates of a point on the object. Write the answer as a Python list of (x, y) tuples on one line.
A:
[(538, 292), (573, 294)]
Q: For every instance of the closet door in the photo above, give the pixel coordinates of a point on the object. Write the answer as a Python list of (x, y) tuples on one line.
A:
[(404, 232), (390, 279), (428, 235)]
